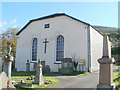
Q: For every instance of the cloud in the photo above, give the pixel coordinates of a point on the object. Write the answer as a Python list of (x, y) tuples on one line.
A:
[(13, 21), (2, 23), (7, 22)]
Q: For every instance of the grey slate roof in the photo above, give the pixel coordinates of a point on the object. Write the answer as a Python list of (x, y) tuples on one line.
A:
[(51, 16)]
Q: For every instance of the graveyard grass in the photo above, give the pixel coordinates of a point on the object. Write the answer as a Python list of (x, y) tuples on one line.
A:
[(53, 81), (116, 78), (20, 75)]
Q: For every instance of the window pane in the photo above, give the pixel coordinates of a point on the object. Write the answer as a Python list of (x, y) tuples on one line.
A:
[(34, 50), (60, 48)]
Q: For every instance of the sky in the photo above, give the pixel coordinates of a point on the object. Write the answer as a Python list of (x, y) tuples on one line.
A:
[(17, 14)]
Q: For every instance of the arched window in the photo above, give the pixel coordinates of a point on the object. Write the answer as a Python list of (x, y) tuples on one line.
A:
[(34, 49), (60, 48)]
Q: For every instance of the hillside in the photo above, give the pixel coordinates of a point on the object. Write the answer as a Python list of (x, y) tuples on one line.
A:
[(106, 29), (113, 33)]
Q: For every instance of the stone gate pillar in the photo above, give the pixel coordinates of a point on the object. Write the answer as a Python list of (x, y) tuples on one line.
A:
[(106, 71)]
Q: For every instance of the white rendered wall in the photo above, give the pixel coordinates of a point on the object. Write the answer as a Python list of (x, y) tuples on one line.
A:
[(96, 40), (109, 46), (75, 41)]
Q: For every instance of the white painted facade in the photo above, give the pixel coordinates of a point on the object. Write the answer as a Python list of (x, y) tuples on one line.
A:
[(80, 40)]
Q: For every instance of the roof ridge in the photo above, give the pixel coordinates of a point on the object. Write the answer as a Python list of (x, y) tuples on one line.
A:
[(51, 16)]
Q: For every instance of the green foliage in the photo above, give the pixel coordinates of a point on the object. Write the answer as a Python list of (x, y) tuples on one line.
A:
[(116, 78), (8, 38), (115, 51), (113, 33), (107, 30), (23, 73), (117, 62), (52, 81)]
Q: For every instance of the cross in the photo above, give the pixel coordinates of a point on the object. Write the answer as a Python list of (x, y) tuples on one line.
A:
[(45, 44)]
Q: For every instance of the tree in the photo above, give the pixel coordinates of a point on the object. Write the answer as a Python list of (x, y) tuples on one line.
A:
[(8, 38)]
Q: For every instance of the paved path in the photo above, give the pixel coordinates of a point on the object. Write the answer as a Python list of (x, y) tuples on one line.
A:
[(88, 81)]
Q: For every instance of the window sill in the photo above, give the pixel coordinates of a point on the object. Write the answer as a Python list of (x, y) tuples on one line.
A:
[(57, 62), (33, 62)]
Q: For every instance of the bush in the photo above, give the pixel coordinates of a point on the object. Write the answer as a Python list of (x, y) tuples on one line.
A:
[(115, 51)]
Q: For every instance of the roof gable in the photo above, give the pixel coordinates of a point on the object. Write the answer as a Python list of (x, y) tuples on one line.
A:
[(50, 16)]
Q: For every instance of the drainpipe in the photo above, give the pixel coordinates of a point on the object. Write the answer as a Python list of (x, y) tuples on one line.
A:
[(89, 48)]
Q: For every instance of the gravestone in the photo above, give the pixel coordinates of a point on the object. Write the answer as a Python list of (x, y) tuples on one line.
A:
[(67, 66), (105, 75), (39, 77), (28, 66), (47, 69), (4, 82), (43, 65), (81, 65), (34, 66)]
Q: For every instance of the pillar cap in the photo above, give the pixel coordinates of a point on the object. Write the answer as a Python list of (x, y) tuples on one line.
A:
[(9, 58), (106, 60)]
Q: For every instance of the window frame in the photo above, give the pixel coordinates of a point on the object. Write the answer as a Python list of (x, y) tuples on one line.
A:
[(59, 49), (34, 48), (46, 26)]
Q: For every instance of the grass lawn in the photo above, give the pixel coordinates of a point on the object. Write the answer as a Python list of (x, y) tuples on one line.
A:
[(116, 79), (51, 80), (22, 74), (68, 74)]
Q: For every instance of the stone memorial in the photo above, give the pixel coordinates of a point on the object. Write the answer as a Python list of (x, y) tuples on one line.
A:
[(47, 69), (67, 66), (105, 75), (5, 76), (28, 66), (39, 77), (7, 63), (43, 65), (34, 66), (81, 65)]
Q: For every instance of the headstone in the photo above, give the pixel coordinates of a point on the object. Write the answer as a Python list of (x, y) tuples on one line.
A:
[(43, 65), (28, 66), (39, 77), (67, 66), (47, 69), (34, 66), (4, 81), (105, 75), (81, 65)]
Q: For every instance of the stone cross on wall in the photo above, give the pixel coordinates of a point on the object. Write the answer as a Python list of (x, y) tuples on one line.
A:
[(45, 45)]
